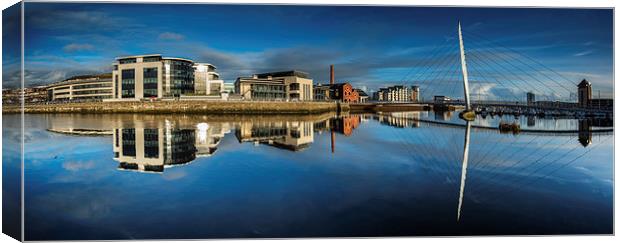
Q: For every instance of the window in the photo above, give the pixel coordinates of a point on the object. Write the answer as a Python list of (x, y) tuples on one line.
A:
[(151, 143), (182, 147), (97, 91), (129, 142), (89, 86), (150, 82), (127, 60), (128, 83), (267, 91), (151, 59), (181, 79), (115, 86)]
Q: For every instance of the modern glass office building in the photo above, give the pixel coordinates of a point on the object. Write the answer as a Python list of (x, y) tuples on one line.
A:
[(152, 76)]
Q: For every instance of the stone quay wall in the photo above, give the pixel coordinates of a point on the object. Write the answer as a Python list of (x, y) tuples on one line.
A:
[(184, 107)]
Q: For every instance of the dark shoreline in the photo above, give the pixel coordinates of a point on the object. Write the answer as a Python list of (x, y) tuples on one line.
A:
[(184, 107)]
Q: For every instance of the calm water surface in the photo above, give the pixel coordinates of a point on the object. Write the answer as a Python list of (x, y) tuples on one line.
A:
[(146, 177)]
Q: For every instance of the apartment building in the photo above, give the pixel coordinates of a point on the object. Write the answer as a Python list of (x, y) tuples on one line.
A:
[(287, 85)]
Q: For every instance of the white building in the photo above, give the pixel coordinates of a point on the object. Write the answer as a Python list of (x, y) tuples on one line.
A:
[(152, 76), (85, 87), (206, 80)]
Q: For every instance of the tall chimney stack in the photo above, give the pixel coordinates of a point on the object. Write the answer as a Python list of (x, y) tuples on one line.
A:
[(331, 74)]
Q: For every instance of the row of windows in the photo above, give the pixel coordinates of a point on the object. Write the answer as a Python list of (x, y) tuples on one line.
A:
[(181, 77), (129, 142), (115, 85), (151, 59), (150, 93), (128, 74), (181, 80), (91, 92), (151, 143), (183, 148), (258, 132), (128, 93), (267, 92), (149, 73), (88, 86), (96, 97), (150, 82), (127, 60), (128, 80)]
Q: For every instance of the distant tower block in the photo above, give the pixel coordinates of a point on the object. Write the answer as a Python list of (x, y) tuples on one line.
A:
[(584, 92), (531, 98), (415, 93)]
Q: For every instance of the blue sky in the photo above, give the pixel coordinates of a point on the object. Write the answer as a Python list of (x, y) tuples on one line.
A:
[(370, 46)]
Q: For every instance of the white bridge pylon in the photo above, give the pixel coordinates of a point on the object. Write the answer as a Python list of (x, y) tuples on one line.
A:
[(464, 69)]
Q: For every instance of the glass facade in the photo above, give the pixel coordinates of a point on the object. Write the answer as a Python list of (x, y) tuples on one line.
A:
[(180, 75), (183, 147), (128, 83), (267, 91), (151, 59), (96, 91), (127, 60), (129, 142), (150, 82), (115, 86), (89, 86), (151, 143)]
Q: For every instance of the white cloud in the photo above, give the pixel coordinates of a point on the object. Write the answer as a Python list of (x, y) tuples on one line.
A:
[(77, 166), (75, 47), (583, 53), (170, 36)]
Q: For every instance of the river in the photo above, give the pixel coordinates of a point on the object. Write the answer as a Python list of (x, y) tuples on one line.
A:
[(111, 177)]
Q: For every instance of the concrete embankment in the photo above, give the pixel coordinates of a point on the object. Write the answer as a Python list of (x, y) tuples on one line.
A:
[(185, 107)]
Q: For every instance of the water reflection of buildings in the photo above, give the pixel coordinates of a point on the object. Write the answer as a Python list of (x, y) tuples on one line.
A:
[(343, 125), (400, 119), (208, 136), (585, 128), (154, 146), (153, 149), (295, 135), (531, 121), (443, 115)]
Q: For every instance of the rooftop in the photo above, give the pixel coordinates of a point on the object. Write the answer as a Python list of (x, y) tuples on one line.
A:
[(290, 73), (136, 56), (584, 83), (82, 78)]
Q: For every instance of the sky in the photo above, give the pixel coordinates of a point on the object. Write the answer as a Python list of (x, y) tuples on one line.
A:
[(371, 47)]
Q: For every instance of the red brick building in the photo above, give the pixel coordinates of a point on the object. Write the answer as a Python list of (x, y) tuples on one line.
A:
[(344, 92)]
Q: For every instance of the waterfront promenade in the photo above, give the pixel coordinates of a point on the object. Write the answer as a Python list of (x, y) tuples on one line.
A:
[(184, 107)]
